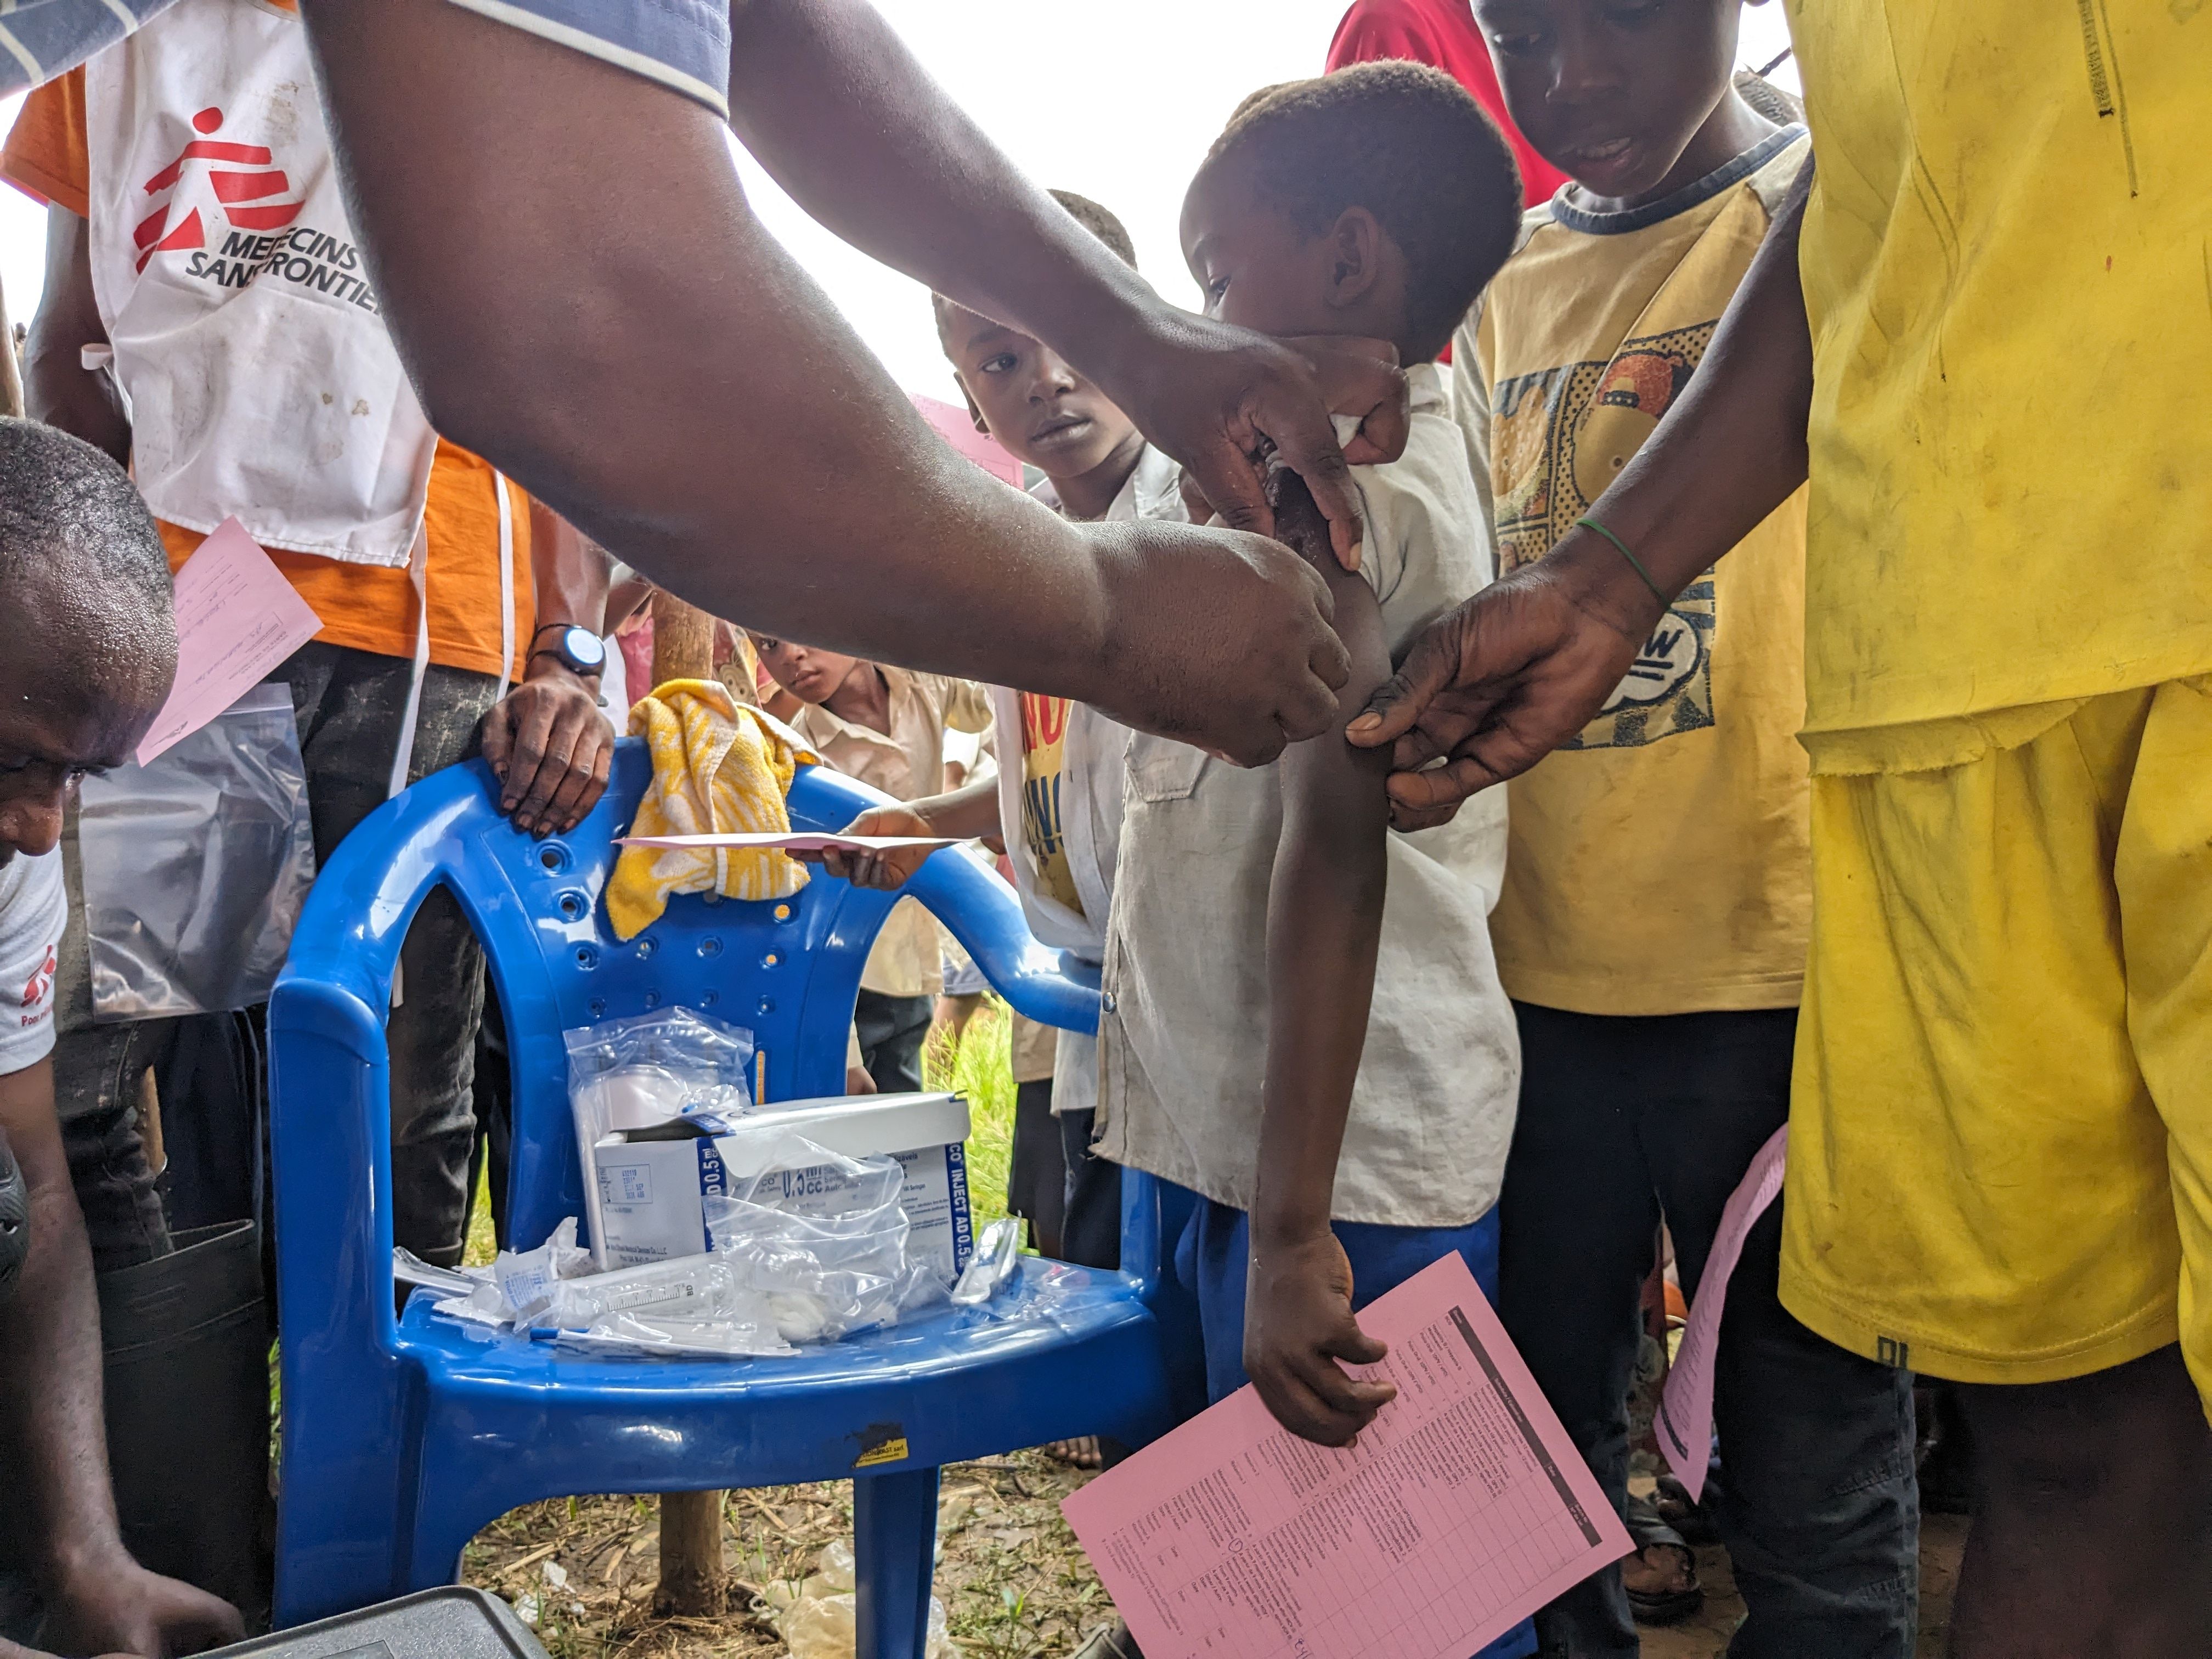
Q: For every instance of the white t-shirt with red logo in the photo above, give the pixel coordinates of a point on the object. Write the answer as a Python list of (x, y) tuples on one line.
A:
[(33, 908)]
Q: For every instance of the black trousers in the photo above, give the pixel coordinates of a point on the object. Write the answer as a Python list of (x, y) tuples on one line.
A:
[(1624, 1119), (1073, 1199), (891, 1031)]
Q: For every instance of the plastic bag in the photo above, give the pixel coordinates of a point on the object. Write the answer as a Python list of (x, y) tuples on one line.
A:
[(196, 865), (998, 1257), (691, 1305), (515, 1286), (821, 1620), (820, 1235), (525, 1278), (634, 1072)]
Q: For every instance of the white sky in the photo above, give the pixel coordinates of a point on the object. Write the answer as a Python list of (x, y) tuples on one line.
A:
[(1116, 101)]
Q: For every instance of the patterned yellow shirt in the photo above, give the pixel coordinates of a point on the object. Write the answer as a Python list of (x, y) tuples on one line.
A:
[(1658, 863), (1044, 741)]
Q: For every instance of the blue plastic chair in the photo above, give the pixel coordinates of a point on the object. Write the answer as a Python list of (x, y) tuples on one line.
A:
[(403, 1436)]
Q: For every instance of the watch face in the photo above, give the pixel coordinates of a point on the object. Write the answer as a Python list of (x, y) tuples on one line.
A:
[(583, 649)]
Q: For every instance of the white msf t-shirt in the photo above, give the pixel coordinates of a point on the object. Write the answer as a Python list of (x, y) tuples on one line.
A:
[(32, 908)]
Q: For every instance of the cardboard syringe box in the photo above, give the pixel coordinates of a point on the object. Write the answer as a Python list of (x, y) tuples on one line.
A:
[(652, 1182)]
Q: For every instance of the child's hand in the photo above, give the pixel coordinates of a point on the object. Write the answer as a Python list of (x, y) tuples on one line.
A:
[(887, 869), (1297, 1324)]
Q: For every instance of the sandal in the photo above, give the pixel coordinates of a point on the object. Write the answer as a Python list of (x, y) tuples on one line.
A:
[(1114, 1642), (1081, 1453), (1683, 1512), (1658, 1595)]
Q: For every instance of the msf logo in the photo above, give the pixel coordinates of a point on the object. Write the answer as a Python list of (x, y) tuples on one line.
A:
[(41, 983), (243, 180)]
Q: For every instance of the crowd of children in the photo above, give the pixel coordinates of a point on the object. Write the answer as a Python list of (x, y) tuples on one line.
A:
[(1353, 1029)]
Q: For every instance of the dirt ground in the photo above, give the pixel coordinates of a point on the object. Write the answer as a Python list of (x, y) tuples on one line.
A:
[(1012, 1580), (1014, 1583)]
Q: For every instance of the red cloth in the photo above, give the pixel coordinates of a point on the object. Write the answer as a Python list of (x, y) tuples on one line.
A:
[(1442, 34)]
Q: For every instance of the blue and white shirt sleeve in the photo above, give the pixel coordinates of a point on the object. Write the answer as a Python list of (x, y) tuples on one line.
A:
[(41, 38), (684, 45)]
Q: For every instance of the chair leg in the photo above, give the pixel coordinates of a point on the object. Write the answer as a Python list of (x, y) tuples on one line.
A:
[(895, 1547)]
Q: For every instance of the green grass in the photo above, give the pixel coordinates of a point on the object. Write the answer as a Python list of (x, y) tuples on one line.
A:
[(979, 1064)]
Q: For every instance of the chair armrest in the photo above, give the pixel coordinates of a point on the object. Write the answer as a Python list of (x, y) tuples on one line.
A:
[(981, 912), (980, 909)]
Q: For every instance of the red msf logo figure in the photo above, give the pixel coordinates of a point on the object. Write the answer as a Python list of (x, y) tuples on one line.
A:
[(242, 191), (42, 982)]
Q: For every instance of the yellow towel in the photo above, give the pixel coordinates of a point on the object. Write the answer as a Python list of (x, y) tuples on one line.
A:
[(716, 767)]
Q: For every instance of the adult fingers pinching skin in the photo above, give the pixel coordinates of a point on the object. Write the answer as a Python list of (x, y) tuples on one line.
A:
[(1500, 681), (1362, 379)]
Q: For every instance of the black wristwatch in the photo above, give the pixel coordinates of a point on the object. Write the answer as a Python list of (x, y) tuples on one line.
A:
[(578, 649)]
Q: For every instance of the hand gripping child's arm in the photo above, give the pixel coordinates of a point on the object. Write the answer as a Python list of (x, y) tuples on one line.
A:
[(1324, 920)]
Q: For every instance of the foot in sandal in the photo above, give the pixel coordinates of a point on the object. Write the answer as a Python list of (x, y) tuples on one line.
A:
[(1082, 1451)]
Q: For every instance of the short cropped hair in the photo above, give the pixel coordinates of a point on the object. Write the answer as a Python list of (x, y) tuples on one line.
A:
[(1098, 221), (74, 527), (1406, 142)]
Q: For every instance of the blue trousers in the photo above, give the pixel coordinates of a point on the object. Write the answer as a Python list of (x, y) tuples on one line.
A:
[(1210, 1259)]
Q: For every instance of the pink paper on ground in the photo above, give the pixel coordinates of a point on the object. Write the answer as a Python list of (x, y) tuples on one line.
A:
[(237, 619), (956, 429), (1462, 1510), (1684, 1419), (788, 842)]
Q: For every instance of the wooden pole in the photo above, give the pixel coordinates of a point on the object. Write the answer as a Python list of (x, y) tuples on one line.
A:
[(692, 1584), (691, 1568), (682, 640)]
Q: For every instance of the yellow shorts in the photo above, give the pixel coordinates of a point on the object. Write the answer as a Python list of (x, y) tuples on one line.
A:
[(2001, 1138)]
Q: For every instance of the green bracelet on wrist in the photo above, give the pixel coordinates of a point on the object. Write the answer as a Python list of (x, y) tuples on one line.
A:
[(1634, 563)]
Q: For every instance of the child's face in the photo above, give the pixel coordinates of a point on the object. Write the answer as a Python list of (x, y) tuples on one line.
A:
[(1612, 91), (1251, 262), (809, 674), (1021, 392)]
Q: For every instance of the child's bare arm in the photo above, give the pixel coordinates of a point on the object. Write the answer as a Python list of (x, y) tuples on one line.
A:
[(965, 813), (1324, 920)]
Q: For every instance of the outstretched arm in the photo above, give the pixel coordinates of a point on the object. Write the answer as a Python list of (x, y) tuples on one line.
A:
[(967, 813), (1500, 682), (583, 296), (1324, 922), (53, 1437)]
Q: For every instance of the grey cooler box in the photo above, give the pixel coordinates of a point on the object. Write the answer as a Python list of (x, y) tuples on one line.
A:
[(456, 1622)]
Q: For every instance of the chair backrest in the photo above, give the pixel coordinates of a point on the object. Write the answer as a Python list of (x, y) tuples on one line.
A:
[(786, 969)]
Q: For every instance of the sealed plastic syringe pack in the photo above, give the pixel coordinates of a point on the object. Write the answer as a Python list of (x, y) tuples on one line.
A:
[(651, 1185)]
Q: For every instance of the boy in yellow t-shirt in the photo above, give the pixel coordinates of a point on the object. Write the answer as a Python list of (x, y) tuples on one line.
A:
[(1653, 924)]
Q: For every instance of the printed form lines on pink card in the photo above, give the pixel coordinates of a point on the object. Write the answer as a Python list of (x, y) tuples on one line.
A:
[(1462, 1509)]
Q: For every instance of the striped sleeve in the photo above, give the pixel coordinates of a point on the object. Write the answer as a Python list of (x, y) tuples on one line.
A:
[(41, 38), (684, 45)]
